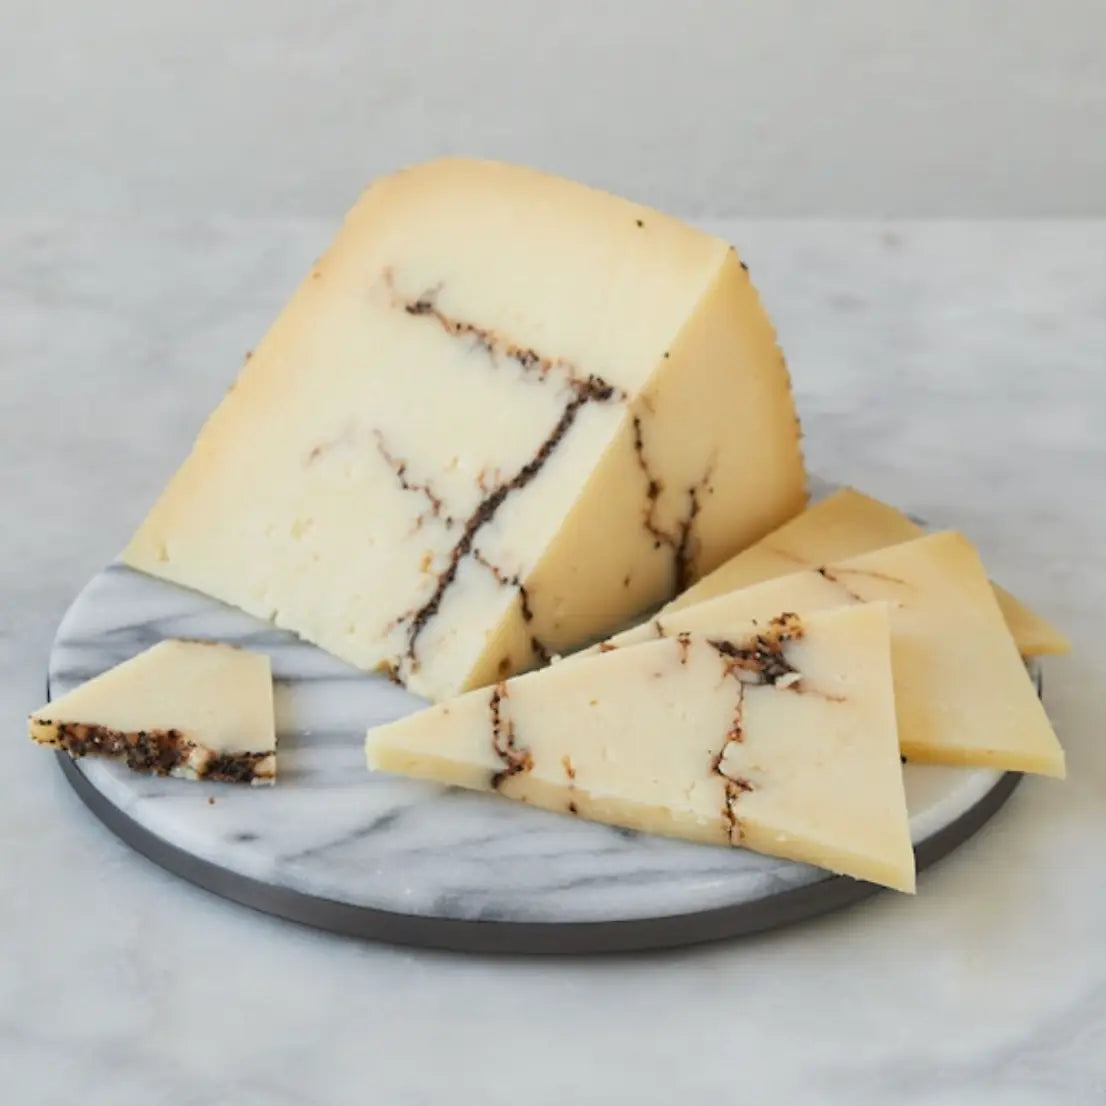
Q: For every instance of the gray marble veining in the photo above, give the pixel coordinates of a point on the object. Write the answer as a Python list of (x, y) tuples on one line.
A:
[(333, 830)]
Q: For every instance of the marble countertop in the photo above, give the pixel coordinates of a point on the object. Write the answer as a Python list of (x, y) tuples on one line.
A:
[(956, 369)]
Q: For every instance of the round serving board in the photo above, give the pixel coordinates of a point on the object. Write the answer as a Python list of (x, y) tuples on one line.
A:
[(337, 847)]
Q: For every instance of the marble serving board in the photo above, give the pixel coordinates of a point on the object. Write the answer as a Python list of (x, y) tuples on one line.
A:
[(336, 846)]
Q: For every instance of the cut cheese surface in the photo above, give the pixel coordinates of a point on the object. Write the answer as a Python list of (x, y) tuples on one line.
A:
[(503, 413), (197, 709), (781, 739), (845, 524), (963, 695)]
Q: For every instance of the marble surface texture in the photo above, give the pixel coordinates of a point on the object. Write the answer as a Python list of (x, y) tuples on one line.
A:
[(333, 831), (956, 369)]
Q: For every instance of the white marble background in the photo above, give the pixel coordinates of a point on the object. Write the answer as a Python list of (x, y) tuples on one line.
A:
[(954, 368)]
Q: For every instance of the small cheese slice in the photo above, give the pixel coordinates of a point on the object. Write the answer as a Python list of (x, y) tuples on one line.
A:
[(502, 415), (196, 709), (780, 739), (845, 524), (962, 691)]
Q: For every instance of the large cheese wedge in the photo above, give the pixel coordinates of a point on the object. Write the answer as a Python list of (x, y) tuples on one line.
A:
[(197, 709), (962, 692), (779, 738), (845, 524), (502, 414)]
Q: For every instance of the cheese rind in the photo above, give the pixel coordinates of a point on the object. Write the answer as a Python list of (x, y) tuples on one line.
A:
[(963, 695), (788, 748), (842, 525), (504, 413), (195, 709)]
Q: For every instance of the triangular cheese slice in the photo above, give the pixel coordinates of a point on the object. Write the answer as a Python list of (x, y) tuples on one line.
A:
[(502, 415), (845, 524), (963, 694), (197, 709), (780, 738)]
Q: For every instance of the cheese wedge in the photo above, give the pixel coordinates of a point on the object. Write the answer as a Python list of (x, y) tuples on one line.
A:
[(845, 524), (962, 692), (503, 414), (197, 709), (780, 739)]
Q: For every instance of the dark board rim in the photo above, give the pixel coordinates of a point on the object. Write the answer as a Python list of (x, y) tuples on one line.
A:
[(784, 908)]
